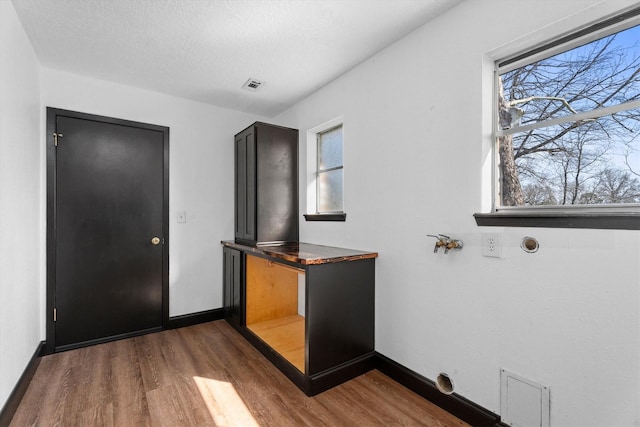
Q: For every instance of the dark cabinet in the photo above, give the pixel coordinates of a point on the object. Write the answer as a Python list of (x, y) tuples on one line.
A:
[(309, 309), (266, 185), (233, 283)]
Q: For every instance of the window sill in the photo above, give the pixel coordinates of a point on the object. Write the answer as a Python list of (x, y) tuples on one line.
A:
[(326, 217), (616, 221)]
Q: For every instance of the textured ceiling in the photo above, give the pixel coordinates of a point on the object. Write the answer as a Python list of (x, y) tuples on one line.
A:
[(206, 50)]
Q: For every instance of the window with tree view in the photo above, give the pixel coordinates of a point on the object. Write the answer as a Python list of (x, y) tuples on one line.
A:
[(568, 119)]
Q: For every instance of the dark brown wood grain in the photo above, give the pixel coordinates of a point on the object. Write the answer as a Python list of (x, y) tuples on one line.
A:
[(304, 253), (204, 375)]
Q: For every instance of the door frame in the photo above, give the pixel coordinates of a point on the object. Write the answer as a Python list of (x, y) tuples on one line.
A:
[(52, 115)]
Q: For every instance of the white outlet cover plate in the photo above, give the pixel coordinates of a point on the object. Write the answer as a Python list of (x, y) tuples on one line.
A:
[(492, 245)]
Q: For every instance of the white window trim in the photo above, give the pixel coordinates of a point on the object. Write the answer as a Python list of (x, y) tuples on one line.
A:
[(586, 115), (543, 216)]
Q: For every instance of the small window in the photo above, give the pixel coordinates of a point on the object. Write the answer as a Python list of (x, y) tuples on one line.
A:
[(325, 189), (329, 172), (568, 123)]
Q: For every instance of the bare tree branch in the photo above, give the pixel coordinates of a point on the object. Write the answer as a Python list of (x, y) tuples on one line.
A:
[(564, 163), (538, 98)]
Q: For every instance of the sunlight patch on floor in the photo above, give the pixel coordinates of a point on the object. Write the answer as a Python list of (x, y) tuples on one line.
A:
[(224, 404)]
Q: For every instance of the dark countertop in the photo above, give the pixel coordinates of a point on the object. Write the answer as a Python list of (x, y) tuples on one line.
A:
[(305, 253)]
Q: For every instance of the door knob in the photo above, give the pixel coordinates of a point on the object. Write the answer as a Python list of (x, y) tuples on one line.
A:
[(155, 241)]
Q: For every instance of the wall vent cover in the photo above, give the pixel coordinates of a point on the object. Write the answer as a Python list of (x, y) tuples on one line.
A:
[(252, 85), (523, 402)]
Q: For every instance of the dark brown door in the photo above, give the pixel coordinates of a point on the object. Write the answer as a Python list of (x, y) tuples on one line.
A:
[(110, 238)]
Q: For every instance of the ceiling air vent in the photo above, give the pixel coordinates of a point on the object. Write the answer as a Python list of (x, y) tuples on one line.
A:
[(252, 85)]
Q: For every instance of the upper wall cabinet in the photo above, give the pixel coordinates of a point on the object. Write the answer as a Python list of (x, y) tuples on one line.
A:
[(266, 185)]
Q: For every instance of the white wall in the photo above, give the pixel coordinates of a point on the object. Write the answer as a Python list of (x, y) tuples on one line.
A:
[(21, 209), (416, 150), (417, 124), (200, 174), (201, 184)]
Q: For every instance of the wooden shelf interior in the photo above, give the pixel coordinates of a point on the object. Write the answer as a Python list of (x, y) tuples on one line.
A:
[(272, 307), (285, 335)]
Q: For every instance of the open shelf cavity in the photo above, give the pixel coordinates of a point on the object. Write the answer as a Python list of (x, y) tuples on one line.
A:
[(275, 307)]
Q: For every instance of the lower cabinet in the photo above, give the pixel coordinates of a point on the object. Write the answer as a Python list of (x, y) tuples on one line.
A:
[(311, 316), (233, 282)]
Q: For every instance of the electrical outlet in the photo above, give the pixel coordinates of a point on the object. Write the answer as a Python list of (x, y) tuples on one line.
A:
[(492, 245)]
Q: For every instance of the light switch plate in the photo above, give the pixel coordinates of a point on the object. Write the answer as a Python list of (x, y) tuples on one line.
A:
[(182, 217)]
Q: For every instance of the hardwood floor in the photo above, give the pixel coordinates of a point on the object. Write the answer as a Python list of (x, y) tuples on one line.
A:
[(204, 375)]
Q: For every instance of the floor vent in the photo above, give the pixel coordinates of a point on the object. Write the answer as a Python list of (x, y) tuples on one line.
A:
[(523, 402)]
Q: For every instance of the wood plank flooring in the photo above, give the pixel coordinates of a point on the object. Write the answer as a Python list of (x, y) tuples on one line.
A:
[(204, 375)]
